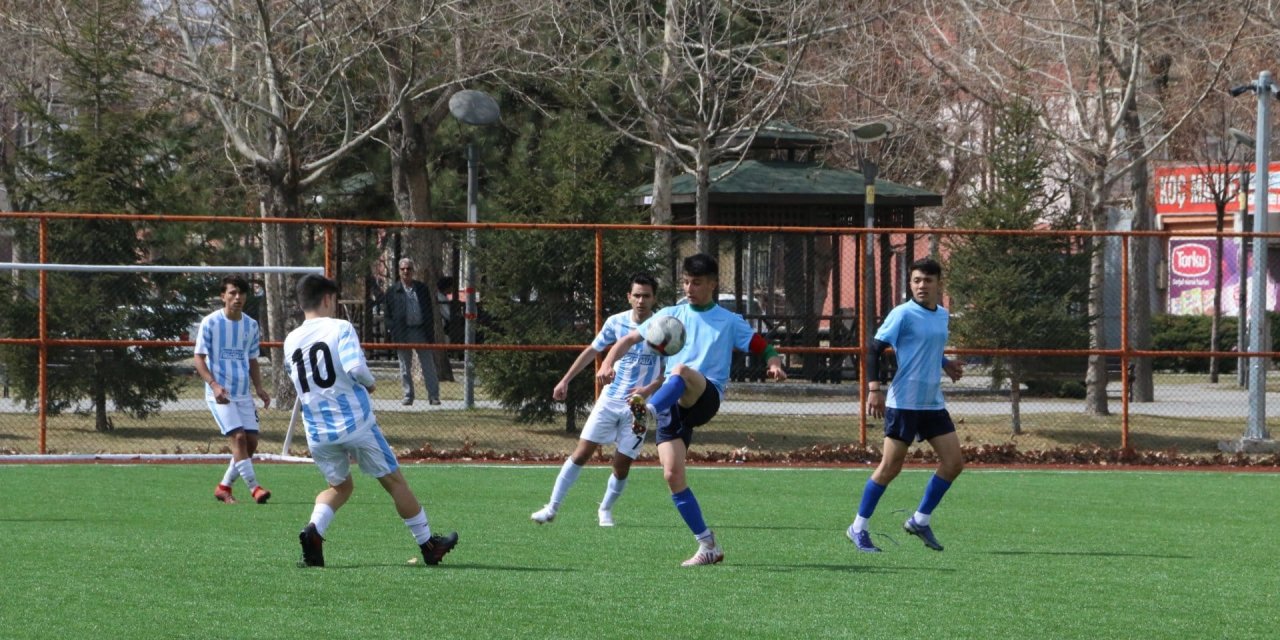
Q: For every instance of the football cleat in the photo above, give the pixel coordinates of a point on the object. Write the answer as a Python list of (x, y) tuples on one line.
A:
[(643, 415), (923, 532), (261, 495), (223, 494), (312, 546), (543, 515), (437, 546), (862, 540), (707, 554), (606, 518)]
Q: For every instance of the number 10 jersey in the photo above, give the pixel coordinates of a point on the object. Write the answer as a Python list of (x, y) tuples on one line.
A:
[(324, 358)]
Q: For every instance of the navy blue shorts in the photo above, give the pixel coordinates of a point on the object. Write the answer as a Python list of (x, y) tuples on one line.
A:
[(684, 419), (917, 424)]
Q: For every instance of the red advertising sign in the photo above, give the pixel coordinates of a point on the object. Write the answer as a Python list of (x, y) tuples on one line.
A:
[(1190, 260), (1189, 189)]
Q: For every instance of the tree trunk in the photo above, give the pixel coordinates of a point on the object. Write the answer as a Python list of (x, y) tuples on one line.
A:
[(1215, 328), (660, 214), (280, 244), (1141, 382), (1015, 401), (100, 420), (411, 192), (1095, 379), (703, 215)]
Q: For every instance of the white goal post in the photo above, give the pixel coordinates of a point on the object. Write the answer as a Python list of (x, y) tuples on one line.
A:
[(156, 268)]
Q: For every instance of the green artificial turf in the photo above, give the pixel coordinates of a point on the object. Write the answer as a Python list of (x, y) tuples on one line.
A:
[(144, 551)]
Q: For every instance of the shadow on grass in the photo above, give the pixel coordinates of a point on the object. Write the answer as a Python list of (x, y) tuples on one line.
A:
[(1098, 554), (846, 568), (455, 566)]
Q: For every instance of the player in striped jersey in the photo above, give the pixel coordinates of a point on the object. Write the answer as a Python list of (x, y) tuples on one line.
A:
[(226, 358), (333, 382), (639, 371), (917, 330)]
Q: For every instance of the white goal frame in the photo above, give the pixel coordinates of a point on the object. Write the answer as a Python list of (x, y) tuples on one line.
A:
[(160, 268)]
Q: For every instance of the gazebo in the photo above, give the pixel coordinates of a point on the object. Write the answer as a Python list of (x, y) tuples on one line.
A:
[(801, 287)]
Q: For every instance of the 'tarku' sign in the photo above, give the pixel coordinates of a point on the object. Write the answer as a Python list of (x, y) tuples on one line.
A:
[(1192, 264), (1190, 260)]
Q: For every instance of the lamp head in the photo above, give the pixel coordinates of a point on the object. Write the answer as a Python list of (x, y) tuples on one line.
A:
[(872, 131), (474, 107), (1242, 138)]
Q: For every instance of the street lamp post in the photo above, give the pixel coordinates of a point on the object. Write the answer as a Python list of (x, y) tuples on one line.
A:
[(475, 108), (1256, 432), (865, 134), (1245, 140)]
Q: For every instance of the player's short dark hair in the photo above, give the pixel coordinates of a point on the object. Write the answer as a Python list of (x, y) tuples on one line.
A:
[(235, 281), (701, 264), (927, 266), (645, 279), (312, 289)]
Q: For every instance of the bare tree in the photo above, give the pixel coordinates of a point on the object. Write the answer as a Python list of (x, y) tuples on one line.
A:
[(700, 78), (1086, 62), (280, 78)]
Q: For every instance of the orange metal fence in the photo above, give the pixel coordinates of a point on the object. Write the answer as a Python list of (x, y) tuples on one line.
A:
[(798, 306)]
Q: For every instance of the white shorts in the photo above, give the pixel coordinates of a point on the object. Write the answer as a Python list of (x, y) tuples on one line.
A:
[(237, 414), (610, 423), (369, 449)]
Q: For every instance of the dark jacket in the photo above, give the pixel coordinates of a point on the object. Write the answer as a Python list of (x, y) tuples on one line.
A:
[(396, 302)]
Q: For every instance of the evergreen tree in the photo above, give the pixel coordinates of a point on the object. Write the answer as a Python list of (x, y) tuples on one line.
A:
[(539, 287), (110, 147), (1017, 292)]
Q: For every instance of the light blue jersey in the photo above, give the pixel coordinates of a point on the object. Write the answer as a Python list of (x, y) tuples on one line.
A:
[(636, 368), (321, 355), (710, 338), (918, 337), (228, 345)]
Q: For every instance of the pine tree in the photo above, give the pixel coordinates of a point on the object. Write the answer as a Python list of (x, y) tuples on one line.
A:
[(540, 286), (109, 147), (1017, 292)]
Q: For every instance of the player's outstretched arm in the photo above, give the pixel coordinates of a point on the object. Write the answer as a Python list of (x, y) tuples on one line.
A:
[(562, 388), (624, 344), (773, 360)]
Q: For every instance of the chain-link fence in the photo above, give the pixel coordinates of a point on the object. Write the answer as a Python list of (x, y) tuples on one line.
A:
[(110, 353)]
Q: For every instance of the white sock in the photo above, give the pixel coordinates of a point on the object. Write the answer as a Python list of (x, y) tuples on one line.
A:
[(568, 475), (245, 467), (921, 518), (859, 524), (321, 516), (419, 527), (706, 538), (612, 492), (230, 476)]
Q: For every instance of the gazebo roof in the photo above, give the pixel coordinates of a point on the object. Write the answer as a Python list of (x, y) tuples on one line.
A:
[(782, 182)]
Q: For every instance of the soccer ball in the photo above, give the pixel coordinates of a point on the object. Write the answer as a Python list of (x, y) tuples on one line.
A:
[(665, 334)]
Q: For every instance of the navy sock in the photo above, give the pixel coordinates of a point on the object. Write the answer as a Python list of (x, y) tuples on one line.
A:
[(933, 493), (668, 394), (870, 497), (688, 507)]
